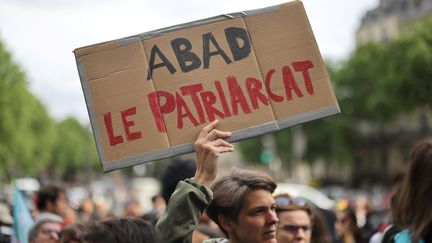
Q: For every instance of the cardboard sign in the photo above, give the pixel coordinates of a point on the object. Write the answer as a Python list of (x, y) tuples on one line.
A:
[(149, 95)]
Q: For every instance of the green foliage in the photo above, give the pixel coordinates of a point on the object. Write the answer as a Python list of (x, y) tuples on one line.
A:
[(30, 140), (378, 82), (358, 84), (25, 127), (283, 144), (74, 147), (251, 149), (409, 72)]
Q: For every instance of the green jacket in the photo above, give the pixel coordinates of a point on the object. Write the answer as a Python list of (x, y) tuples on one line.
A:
[(183, 213)]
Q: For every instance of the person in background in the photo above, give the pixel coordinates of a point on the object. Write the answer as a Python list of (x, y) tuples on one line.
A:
[(70, 216), (132, 208), (6, 222), (119, 230), (387, 230), (347, 230), (299, 223), (158, 202), (45, 229), (102, 209), (86, 211), (159, 205), (413, 203), (51, 199), (209, 227), (178, 170), (241, 203), (320, 229), (72, 233)]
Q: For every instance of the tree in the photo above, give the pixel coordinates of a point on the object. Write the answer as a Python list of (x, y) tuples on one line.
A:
[(379, 83), (374, 87), (409, 71), (74, 149), (25, 127)]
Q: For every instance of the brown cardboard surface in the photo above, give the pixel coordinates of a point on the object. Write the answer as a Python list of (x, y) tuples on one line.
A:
[(149, 95), (218, 70), (290, 23)]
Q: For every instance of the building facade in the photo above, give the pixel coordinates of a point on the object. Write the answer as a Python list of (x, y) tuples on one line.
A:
[(385, 22)]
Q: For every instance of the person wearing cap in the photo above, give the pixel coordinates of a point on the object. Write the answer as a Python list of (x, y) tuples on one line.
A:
[(46, 229)]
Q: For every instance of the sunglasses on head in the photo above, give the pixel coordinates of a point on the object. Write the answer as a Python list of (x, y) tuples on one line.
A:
[(284, 201), (295, 228)]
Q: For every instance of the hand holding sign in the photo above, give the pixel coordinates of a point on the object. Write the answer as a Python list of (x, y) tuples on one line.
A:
[(208, 146)]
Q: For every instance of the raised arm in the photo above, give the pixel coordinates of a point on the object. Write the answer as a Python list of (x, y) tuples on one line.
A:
[(193, 195)]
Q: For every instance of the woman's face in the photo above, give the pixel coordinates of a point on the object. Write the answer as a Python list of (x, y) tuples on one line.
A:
[(256, 221), (341, 224)]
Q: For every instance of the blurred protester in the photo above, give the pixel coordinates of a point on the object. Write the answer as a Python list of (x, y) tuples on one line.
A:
[(119, 230), (46, 229), (70, 216), (132, 208), (158, 202), (328, 218), (86, 211), (320, 229), (240, 203), (346, 228), (298, 222), (364, 215), (387, 230), (72, 233), (209, 227), (413, 205), (158, 207), (6, 222), (178, 170), (102, 209), (51, 199)]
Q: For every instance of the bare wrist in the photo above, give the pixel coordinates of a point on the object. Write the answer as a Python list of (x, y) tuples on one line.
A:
[(203, 180)]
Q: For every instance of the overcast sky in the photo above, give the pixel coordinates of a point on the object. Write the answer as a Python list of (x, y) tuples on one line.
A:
[(41, 34)]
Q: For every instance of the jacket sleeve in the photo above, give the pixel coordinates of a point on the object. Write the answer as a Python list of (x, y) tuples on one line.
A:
[(183, 212)]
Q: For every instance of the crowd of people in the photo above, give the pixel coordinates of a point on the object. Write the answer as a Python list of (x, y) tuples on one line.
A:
[(199, 206)]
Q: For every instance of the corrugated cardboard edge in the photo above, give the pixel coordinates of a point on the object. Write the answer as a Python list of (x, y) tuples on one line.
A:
[(308, 116), (236, 136), (154, 33), (90, 109)]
